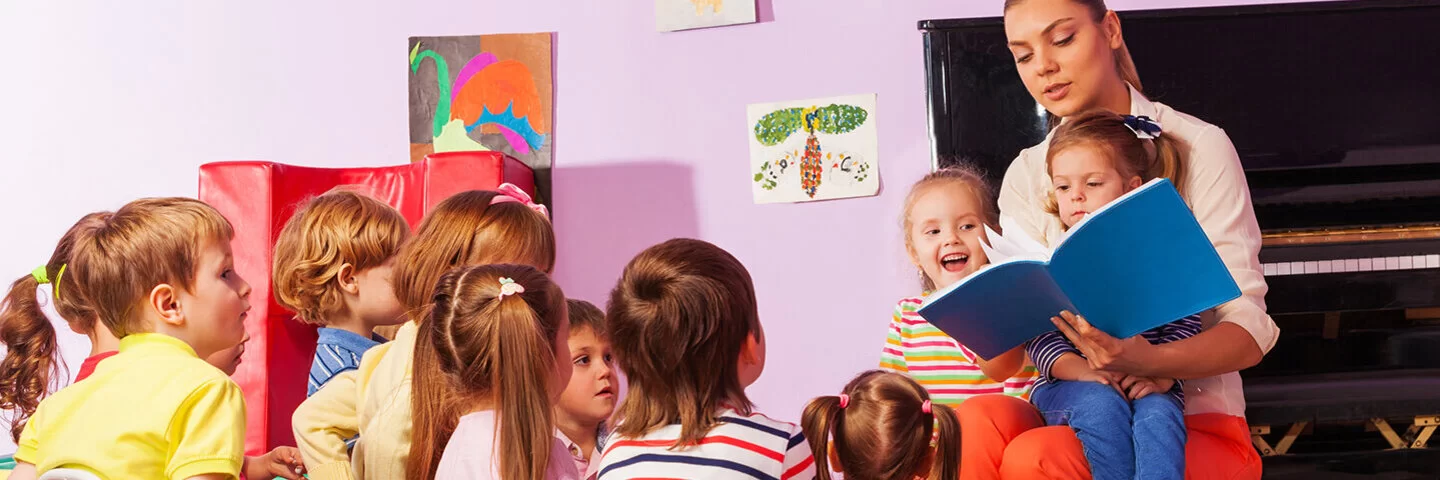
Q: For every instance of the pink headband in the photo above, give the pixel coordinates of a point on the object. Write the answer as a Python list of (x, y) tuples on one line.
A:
[(511, 193)]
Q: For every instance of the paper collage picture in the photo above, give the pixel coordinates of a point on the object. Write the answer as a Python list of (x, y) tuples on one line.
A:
[(811, 150), (672, 15)]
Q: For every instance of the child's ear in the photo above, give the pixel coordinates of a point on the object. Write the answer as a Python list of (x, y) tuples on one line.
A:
[(346, 279), (914, 256), (164, 299), (1136, 182), (749, 352)]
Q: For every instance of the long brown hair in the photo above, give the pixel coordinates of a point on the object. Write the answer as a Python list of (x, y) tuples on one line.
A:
[(964, 175), (31, 364), (1124, 64), (882, 431), (478, 347), (466, 229), (1132, 156), (678, 320)]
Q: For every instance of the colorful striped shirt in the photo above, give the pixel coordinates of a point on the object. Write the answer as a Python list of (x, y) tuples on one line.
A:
[(945, 367), (1048, 347), (741, 446)]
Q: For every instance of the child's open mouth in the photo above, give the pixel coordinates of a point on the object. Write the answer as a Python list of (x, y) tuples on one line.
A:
[(606, 393), (954, 262)]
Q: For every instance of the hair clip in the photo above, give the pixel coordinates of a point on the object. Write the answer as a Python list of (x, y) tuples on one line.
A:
[(58, 275), (1143, 126), (509, 287), (844, 400), (925, 407), (511, 193)]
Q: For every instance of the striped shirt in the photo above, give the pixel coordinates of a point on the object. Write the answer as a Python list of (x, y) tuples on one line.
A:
[(336, 351), (945, 367), (1046, 348), (753, 446)]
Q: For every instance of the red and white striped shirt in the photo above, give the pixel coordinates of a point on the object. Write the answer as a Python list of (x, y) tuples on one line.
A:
[(753, 446)]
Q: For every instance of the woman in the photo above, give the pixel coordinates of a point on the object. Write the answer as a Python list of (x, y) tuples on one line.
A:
[(1072, 58)]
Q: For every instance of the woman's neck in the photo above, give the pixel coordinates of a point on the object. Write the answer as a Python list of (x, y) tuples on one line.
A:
[(1117, 99), (581, 433)]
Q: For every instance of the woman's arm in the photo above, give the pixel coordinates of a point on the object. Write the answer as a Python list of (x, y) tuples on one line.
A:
[(1224, 348)]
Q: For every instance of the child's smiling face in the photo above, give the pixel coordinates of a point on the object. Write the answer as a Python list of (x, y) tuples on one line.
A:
[(946, 227)]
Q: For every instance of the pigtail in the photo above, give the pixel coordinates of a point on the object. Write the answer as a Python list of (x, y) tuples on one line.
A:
[(947, 444), (434, 404), (30, 365), (821, 415), (524, 359), (1167, 163)]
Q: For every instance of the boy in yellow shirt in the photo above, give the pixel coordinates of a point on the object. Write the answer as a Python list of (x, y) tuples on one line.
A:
[(159, 273)]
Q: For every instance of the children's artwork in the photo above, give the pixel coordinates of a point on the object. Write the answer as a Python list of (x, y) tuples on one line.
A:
[(813, 149), (483, 92), (672, 15)]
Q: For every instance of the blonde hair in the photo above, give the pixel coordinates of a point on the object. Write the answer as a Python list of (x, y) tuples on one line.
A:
[(339, 227), (31, 363), (1130, 155), (963, 174), (882, 431), (147, 242), (478, 345), (466, 229), (678, 320)]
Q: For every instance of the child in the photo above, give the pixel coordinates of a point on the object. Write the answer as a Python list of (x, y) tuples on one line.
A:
[(687, 334), (1127, 430), (31, 368), (489, 363), (282, 462), (469, 228), (883, 426), (332, 268), (945, 215), (160, 275), (590, 398)]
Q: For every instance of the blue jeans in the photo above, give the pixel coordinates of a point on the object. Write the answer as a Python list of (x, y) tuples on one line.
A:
[(1122, 439)]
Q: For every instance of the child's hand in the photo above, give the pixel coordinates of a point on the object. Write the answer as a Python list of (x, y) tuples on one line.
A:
[(1104, 378), (1137, 387), (281, 462)]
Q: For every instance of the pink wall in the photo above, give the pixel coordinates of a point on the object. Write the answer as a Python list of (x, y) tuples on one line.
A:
[(116, 100)]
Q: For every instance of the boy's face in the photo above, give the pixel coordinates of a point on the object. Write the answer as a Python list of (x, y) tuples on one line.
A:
[(377, 304), (215, 306), (590, 395)]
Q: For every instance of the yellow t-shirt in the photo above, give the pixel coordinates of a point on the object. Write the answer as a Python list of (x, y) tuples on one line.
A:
[(155, 410)]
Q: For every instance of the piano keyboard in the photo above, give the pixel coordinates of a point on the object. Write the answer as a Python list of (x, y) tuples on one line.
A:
[(1377, 264)]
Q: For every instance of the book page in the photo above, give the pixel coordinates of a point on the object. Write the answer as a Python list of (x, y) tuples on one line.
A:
[(1016, 246)]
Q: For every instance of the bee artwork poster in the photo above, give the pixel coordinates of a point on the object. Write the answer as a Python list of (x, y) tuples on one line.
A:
[(817, 149)]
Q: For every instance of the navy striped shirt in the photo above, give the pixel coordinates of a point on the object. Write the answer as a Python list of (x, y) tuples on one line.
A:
[(1046, 348), (337, 351)]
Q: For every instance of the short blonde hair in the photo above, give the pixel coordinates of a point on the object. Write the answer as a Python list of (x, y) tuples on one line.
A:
[(147, 242), (339, 227)]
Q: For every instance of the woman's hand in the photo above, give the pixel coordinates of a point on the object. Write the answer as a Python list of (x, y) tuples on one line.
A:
[(1104, 352)]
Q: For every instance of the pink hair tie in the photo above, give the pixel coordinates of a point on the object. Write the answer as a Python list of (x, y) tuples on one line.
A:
[(511, 193), (925, 407), (844, 400)]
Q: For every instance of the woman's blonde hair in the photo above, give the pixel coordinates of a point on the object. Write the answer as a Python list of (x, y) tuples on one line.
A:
[(342, 226), (1124, 64), (482, 343)]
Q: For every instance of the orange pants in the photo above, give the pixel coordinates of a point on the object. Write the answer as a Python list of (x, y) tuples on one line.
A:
[(1004, 437)]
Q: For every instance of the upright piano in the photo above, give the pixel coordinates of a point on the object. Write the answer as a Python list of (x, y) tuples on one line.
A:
[(1334, 108)]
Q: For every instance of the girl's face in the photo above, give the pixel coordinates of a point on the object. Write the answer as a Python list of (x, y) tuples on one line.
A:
[(1085, 179), (1066, 61), (946, 228)]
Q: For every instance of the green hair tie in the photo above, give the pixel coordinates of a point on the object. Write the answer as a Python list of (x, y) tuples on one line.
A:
[(40, 275)]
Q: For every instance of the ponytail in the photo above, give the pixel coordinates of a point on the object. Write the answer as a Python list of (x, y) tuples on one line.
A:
[(30, 365), (1167, 163), (947, 444), (819, 418), (480, 315)]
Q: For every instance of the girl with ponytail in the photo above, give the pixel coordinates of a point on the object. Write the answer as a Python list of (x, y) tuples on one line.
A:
[(491, 359), (883, 426), (31, 368)]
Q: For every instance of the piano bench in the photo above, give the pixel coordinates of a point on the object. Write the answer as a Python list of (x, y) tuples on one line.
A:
[(1368, 397)]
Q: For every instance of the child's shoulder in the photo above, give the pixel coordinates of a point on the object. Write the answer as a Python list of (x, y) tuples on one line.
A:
[(909, 304), (762, 423)]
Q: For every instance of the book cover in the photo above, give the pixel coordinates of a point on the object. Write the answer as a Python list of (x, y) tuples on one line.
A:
[(1139, 262)]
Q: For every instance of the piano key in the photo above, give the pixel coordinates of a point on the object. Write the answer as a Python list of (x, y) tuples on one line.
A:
[(1418, 261), (1325, 267), (1432, 261), (1282, 269), (1403, 263), (1352, 265), (1349, 265), (1268, 269), (1297, 268), (1337, 266), (1365, 265), (1312, 268), (1392, 263)]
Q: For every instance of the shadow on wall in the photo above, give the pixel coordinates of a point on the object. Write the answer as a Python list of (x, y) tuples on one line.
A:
[(606, 214)]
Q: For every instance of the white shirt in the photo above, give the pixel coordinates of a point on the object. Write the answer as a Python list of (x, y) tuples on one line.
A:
[(470, 453), (1220, 198)]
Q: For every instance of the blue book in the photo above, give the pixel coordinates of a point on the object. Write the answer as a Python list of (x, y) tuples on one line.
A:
[(1139, 262)]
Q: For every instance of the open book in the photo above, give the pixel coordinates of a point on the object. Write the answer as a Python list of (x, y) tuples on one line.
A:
[(1139, 262)]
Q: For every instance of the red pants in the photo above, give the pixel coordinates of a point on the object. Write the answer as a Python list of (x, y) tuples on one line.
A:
[(1004, 437)]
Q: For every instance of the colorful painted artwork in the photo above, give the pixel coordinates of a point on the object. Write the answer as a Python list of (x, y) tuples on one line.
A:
[(813, 149), (484, 92), (672, 15)]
